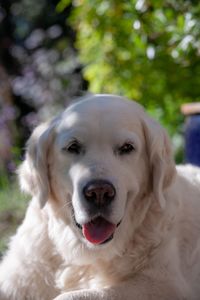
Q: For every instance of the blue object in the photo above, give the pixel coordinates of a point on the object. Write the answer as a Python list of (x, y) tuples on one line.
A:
[(192, 139)]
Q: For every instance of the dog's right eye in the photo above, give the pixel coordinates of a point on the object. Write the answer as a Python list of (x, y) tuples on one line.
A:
[(74, 148), (126, 149)]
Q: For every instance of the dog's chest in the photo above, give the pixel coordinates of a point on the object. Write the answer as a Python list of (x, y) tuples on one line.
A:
[(81, 277), (100, 275)]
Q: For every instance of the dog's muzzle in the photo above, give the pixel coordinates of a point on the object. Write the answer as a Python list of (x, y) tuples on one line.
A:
[(99, 194)]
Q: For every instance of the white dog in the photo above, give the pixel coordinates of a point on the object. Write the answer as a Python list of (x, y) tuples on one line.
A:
[(111, 217)]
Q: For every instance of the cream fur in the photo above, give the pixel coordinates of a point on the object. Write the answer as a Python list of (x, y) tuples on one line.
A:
[(155, 252)]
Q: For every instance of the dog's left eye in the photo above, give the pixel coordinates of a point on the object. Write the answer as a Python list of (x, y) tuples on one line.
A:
[(74, 148), (126, 149)]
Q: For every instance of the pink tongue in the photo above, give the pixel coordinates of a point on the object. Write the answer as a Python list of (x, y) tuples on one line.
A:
[(98, 230)]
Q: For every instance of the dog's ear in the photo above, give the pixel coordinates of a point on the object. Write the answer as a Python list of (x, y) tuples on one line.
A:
[(33, 173), (160, 157)]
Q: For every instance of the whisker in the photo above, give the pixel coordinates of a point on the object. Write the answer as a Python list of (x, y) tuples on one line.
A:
[(67, 204)]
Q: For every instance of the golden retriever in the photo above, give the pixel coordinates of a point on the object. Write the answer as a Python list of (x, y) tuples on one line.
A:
[(111, 218)]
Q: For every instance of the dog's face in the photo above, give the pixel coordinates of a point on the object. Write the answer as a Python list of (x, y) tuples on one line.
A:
[(98, 160)]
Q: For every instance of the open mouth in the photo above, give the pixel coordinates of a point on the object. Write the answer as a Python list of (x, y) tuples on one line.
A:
[(98, 231)]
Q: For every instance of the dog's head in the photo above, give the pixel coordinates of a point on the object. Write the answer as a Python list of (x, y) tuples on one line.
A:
[(98, 161)]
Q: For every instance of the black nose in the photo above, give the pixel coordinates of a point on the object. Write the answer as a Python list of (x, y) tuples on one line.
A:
[(99, 192)]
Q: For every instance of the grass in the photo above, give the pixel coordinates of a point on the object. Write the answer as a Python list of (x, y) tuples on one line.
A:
[(12, 208)]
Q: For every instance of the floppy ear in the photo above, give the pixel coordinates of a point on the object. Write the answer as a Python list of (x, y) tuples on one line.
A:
[(161, 159), (33, 173)]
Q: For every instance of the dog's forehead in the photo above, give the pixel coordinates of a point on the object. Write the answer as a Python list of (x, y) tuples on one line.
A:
[(101, 109)]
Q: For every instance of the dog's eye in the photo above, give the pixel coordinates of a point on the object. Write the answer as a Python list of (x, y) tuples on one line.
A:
[(74, 148), (126, 149)]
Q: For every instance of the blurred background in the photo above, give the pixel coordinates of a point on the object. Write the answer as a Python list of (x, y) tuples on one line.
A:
[(53, 51)]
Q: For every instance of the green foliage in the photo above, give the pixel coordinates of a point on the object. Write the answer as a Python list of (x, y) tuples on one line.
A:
[(145, 50), (12, 208), (62, 5)]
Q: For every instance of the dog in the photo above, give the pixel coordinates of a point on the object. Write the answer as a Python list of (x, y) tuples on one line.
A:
[(111, 217)]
